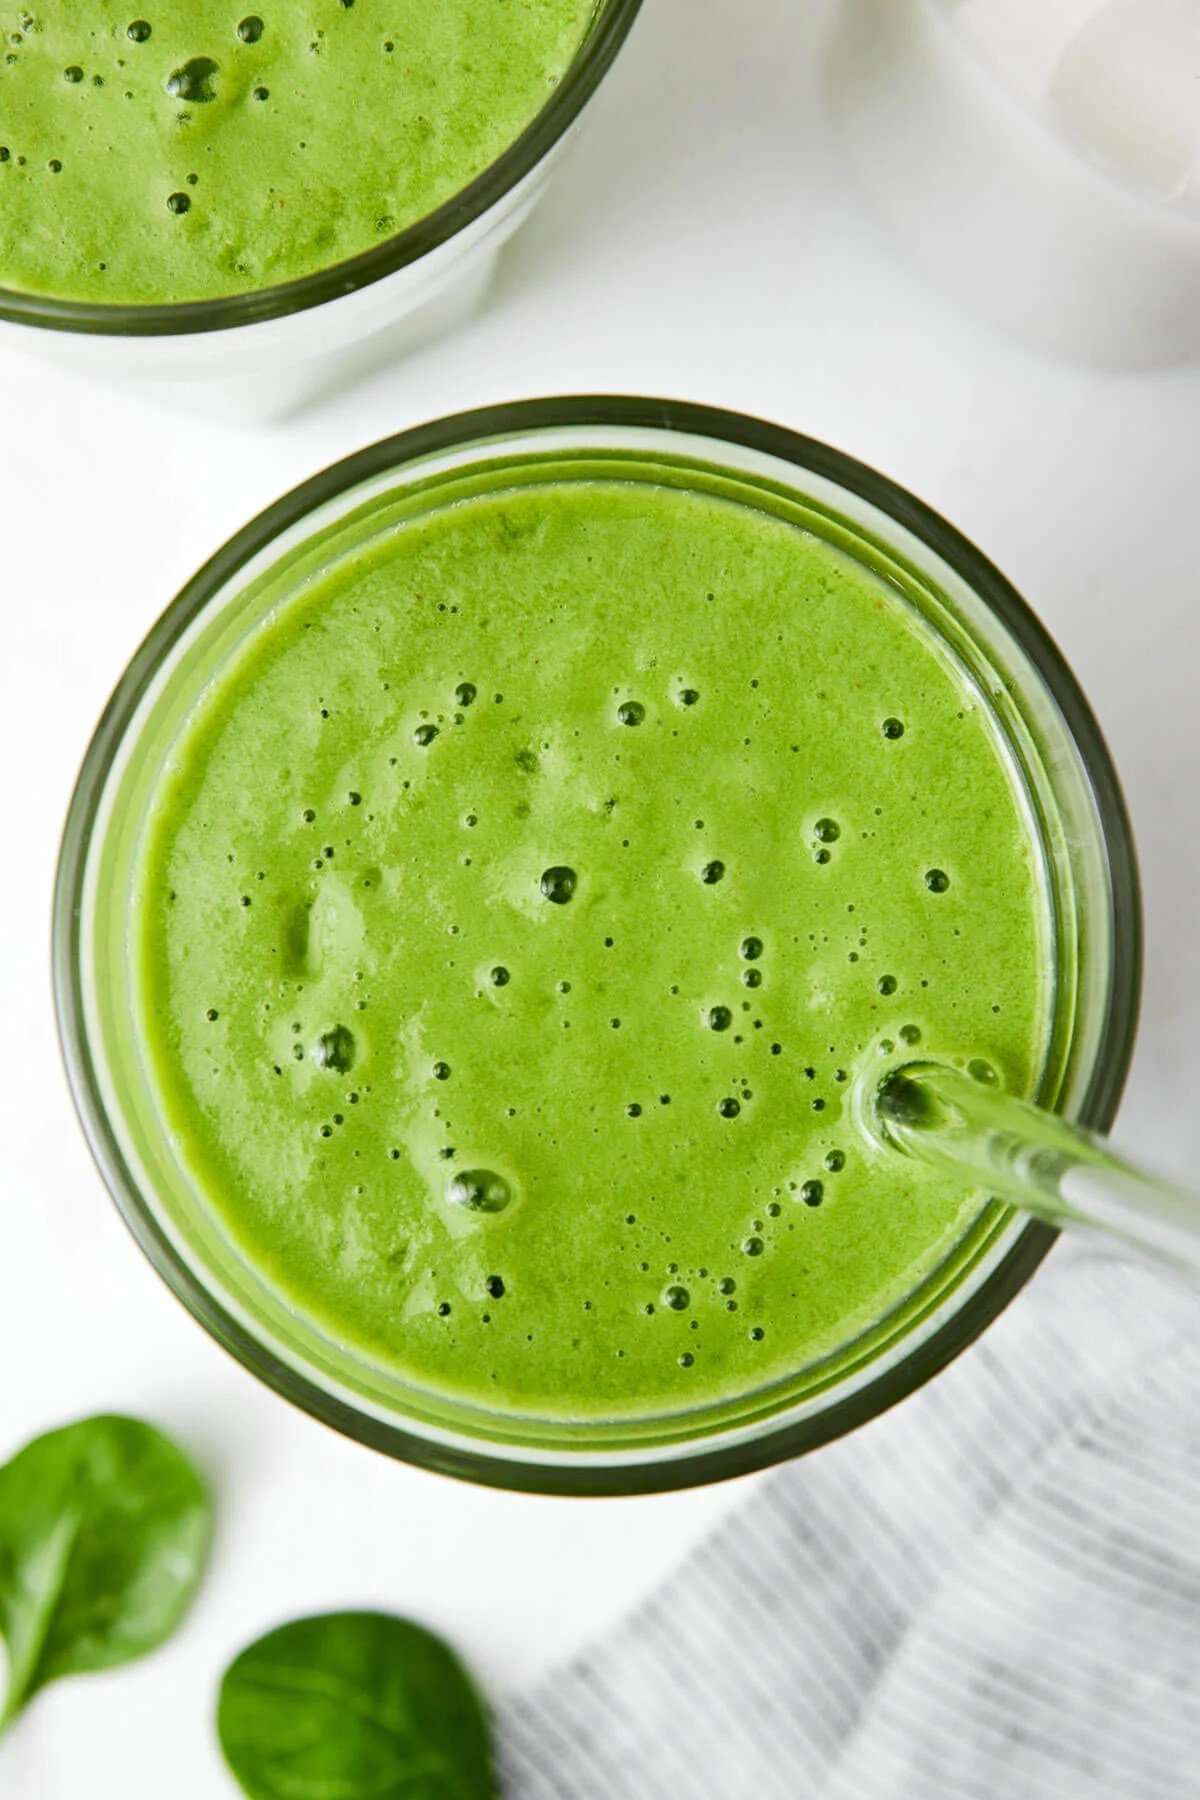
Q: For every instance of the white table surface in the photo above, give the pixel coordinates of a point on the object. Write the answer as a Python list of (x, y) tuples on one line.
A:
[(702, 243)]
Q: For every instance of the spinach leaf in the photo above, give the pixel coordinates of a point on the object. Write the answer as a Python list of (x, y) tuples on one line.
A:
[(104, 1529), (354, 1706)]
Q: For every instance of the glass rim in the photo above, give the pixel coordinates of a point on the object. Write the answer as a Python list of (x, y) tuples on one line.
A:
[(157, 319), (787, 1438)]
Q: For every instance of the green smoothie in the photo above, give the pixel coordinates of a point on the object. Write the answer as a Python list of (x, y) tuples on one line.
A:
[(515, 914), (200, 149)]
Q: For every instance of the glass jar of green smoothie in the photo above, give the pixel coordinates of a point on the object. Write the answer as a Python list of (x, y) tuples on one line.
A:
[(485, 890), (221, 195)]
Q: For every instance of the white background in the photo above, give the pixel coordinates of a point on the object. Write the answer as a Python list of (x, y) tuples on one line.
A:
[(701, 242)]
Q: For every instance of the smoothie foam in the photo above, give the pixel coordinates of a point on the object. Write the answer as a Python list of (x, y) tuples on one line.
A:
[(517, 908)]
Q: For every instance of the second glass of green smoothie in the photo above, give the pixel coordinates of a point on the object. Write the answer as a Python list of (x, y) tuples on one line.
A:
[(237, 197)]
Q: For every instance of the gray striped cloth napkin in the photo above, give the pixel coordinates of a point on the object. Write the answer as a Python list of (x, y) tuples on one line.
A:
[(991, 1593)]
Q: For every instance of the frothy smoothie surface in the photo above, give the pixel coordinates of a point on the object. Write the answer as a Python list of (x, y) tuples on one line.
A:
[(516, 911), (202, 148)]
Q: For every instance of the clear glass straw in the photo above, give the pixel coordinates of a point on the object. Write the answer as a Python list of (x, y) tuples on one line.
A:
[(1057, 1171)]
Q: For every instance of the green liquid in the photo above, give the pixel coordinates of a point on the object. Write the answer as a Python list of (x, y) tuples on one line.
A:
[(794, 838), (231, 147)]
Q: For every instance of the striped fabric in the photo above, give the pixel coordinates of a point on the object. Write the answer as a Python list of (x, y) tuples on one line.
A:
[(992, 1593)]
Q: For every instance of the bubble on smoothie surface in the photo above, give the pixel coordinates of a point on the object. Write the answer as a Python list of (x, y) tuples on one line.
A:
[(676, 1298), (750, 949), (812, 1193), (424, 735), (558, 884), (250, 29), (195, 81), (335, 1049), (892, 729), (465, 693), (711, 873), (827, 831), (719, 1018), (479, 1191), (937, 880), (631, 712), (139, 30), (983, 1072)]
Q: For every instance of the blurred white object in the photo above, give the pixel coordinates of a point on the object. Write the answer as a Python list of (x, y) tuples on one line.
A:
[(1040, 157), (1120, 78)]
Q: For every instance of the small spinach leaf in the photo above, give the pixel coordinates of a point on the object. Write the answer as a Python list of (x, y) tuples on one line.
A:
[(354, 1706), (104, 1529)]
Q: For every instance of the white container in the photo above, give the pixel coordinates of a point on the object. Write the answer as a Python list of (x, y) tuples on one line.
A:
[(1039, 158), (265, 353)]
